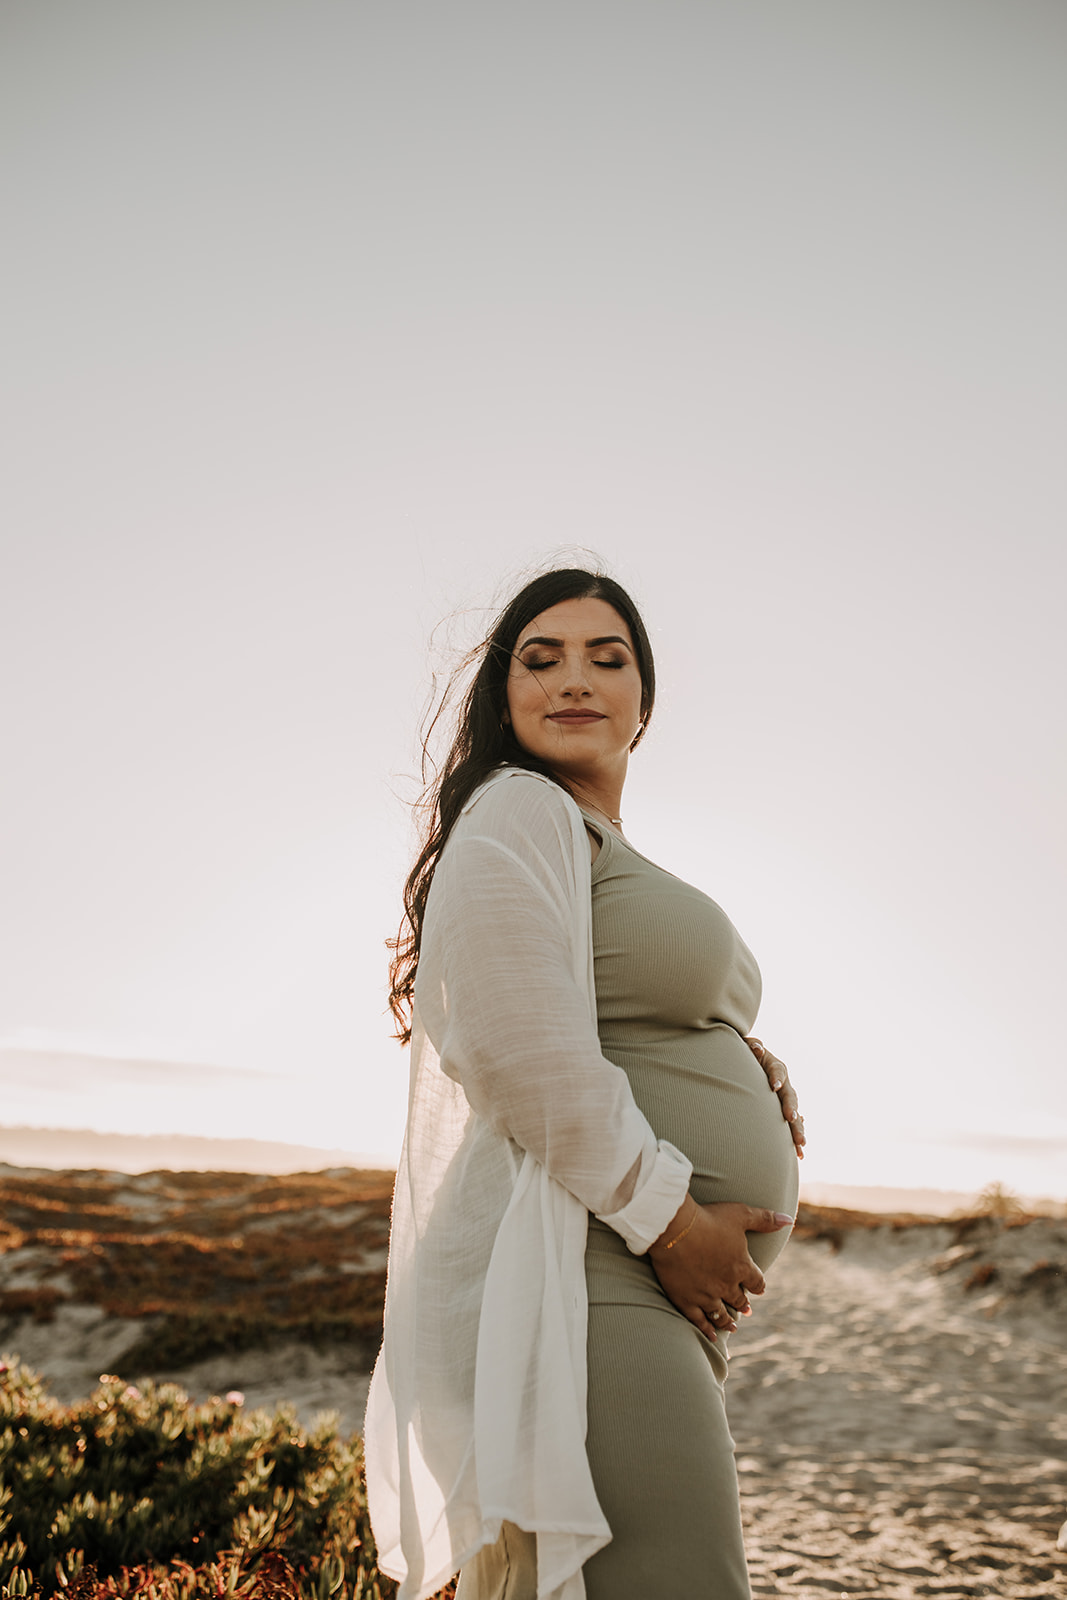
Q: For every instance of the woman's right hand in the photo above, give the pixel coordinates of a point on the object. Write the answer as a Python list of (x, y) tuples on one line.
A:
[(702, 1262)]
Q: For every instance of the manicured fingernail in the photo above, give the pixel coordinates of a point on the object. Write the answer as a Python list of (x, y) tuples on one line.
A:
[(782, 1217), (776, 1084)]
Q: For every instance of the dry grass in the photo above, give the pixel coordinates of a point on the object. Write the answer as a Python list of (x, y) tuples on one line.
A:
[(215, 1261)]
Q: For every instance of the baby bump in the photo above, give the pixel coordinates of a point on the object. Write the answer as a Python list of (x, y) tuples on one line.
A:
[(706, 1092)]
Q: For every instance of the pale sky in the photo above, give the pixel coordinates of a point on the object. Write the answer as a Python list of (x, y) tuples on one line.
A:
[(324, 320)]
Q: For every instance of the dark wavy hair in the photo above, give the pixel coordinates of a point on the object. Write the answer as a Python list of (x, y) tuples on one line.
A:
[(483, 741)]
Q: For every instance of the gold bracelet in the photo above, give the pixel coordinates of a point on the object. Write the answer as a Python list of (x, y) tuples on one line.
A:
[(680, 1236)]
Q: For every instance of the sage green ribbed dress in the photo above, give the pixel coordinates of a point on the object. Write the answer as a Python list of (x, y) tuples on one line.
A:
[(676, 991)]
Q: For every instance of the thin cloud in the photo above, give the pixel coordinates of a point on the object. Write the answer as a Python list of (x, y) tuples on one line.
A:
[(1012, 1144), (57, 1069)]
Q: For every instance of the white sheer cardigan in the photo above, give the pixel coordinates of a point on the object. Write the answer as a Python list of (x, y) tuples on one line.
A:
[(517, 1128)]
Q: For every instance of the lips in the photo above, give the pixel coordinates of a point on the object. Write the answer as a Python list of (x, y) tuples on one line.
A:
[(575, 716)]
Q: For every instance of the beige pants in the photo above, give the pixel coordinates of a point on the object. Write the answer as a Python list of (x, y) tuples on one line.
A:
[(506, 1570), (659, 1450)]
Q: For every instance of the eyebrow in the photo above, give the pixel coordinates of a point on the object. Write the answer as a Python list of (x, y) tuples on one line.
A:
[(590, 644)]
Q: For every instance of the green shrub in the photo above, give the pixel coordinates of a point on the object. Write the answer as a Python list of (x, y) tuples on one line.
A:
[(143, 1493)]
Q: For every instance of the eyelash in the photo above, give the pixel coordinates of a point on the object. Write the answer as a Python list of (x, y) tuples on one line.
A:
[(540, 666)]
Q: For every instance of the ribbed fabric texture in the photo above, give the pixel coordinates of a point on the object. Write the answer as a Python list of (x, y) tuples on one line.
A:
[(662, 1460), (676, 991)]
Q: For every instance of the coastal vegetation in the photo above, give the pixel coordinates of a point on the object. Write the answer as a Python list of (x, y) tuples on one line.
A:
[(904, 1379), (207, 1262), (133, 1492)]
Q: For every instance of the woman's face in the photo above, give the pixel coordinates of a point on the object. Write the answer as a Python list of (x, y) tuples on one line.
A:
[(574, 689)]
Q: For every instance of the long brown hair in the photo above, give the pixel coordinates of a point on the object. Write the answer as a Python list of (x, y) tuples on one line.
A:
[(484, 741)]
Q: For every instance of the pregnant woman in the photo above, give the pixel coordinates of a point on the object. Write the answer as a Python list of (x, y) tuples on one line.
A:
[(598, 1165)]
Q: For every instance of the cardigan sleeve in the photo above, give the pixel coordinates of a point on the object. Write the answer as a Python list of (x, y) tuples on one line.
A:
[(500, 1000)]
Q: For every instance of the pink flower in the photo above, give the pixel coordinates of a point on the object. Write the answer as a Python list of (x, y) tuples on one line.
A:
[(131, 1392), (234, 1397)]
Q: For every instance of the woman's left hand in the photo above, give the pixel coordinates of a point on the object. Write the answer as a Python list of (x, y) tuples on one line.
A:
[(778, 1078)]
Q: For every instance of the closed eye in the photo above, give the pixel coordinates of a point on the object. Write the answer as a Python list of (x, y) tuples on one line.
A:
[(540, 666)]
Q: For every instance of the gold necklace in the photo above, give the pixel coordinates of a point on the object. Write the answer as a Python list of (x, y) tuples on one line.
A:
[(616, 821)]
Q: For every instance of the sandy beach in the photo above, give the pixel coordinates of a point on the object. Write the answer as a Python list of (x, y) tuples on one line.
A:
[(898, 1399), (898, 1432)]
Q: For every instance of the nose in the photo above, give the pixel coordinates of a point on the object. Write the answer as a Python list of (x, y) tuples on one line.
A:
[(576, 677)]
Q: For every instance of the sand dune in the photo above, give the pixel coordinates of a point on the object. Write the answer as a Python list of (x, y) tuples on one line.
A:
[(898, 1400), (900, 1434)]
